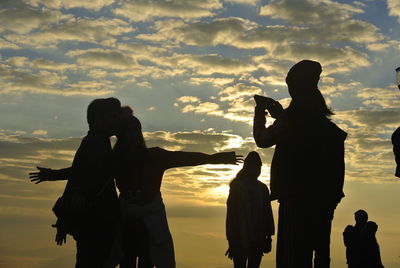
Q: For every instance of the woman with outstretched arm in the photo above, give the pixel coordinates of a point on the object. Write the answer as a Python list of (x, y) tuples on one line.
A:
[(139, 174)]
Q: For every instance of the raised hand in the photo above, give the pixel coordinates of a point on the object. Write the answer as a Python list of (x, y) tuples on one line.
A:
[(44, 174), (273, 106)]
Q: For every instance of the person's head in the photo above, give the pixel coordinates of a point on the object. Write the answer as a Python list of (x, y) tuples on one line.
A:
[(361, 217), (371, 227), (302, 80), (251, 168), (131, 128), (252, 164), (104, 115)]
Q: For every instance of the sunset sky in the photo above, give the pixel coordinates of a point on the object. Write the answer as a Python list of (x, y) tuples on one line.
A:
[(189, 69)]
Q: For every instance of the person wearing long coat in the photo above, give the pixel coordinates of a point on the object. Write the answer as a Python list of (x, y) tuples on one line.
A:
[(249, 218)]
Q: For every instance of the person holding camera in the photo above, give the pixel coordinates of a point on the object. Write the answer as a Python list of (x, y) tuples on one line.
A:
[(307, 169)]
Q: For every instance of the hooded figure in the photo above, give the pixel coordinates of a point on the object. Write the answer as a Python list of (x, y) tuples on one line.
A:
[(249, 219)]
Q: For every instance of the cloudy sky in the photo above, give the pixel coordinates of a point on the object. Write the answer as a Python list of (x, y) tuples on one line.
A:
[(189, 68)]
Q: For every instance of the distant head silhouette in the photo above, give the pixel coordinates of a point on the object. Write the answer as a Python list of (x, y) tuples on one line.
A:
[(104, 115), (302, 80), (251, 168), (361, 217)]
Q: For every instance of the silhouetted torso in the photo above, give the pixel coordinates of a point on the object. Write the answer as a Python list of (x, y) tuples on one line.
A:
[(308, 162), (352, 241), (362, 249), (92, 168), (249, 216), (307, 175)]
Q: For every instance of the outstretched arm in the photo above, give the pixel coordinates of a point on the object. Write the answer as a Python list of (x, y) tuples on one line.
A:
[(48, 174), (182, 159)]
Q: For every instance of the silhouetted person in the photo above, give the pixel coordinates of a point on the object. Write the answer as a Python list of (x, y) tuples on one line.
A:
[(139, 175), (362, 249), (307, 170), (396, 150), (249, 219), (91, 173)]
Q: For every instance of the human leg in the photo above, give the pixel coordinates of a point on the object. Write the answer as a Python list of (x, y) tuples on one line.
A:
[(322, 227), (293, 246), (254, 259), (239, 260)]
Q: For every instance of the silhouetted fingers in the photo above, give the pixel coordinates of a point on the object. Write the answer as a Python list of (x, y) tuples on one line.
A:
[(239, 159), (37, 180), (33, 174), (61, 238)]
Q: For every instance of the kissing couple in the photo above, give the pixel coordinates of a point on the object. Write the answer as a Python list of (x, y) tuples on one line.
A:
[(131, 228)]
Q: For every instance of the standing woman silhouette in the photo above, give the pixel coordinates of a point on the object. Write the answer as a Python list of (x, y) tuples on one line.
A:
[(139, 174), (249, 219)]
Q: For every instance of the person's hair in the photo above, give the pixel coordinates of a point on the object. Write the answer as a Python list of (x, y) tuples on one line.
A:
[(135, 145), (302, 80), (98, 108), (251, 162)]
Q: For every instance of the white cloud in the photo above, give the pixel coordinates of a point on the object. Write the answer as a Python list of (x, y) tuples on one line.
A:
[(68, 4), (105, 58), (41, 63), (382, 46), (380, 98), (283, 44), (332, 59), (210, 64), (188, 99), (4, 44), (208, 108), (24, 20), (394, 8), (238, 91), (74, 30), (39, 132), (309, 11), (14, 80), (140, 10), (215, 81), (246, 2), (372, 119)]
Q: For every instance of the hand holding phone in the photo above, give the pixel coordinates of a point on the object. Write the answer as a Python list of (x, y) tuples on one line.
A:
[(273, 106)]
